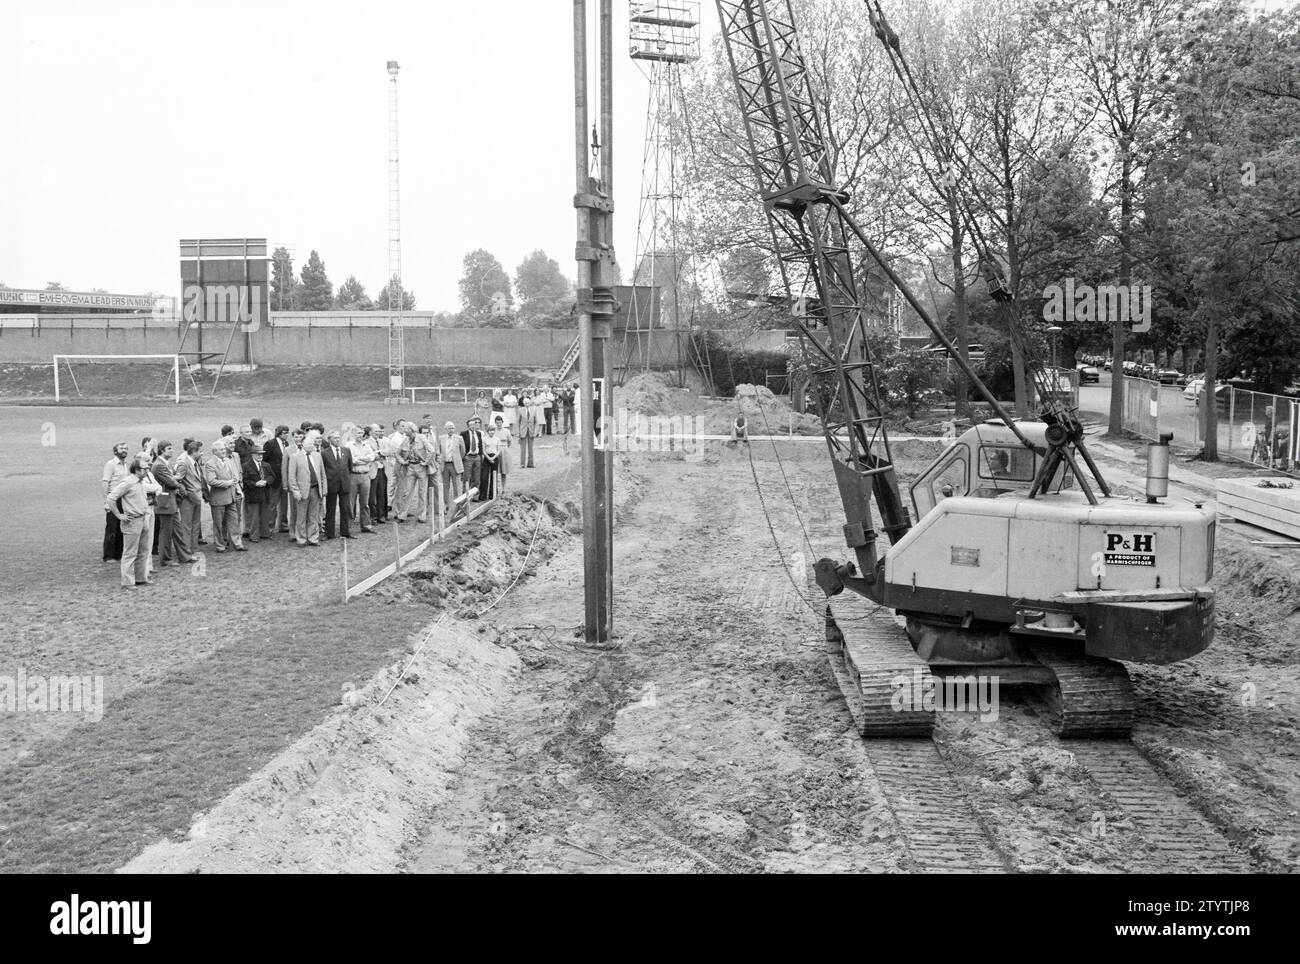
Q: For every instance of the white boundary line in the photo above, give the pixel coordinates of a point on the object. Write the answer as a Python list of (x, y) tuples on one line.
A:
[(391, 569)]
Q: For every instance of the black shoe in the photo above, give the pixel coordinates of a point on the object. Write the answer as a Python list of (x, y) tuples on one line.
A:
[(241, 548)]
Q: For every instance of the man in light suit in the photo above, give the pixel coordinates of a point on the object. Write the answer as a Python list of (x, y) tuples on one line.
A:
[(306, 482), (529, 429), (472, 438), (221, 485), (451, 463)]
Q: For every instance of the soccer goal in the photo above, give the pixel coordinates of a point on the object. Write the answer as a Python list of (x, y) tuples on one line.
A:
[(112, 371)]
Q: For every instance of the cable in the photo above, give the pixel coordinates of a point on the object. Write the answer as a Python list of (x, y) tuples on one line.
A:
[(524, 567)]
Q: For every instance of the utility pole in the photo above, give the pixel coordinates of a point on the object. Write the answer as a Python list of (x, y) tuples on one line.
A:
[(594, 252), (396, 324)]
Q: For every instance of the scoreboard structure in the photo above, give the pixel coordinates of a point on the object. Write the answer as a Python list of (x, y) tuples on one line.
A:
[(225, 296)]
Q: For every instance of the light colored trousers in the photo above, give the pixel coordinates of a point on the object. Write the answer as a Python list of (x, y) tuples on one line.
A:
[(137, 541), (451, 486), (307, 517), (225, 525), (415, 486), (361, 493), (188, 520)]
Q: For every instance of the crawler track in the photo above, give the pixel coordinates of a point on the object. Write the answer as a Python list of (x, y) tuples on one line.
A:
[(1092, 697), (940, 830), (1177, 838), (869, 653)]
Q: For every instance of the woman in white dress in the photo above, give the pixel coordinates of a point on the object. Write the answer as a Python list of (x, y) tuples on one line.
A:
[(510, 405), (483, 408)]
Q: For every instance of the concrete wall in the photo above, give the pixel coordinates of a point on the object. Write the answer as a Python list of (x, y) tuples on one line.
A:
[(318, 338)]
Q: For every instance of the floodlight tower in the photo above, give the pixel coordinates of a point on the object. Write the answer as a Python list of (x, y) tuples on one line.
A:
[(396, 344), (663, 35)]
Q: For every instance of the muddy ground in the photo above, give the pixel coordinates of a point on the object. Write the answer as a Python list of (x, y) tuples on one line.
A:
[(710, 736)]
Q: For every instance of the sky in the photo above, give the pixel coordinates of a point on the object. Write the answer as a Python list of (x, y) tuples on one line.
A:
[(126, 126)]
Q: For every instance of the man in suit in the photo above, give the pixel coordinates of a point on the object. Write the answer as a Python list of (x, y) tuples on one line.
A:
[(259, 478), (472, 438), (529, 429), (451, 461), (221, 486), (277, 496), (189, 501), (166, 506), (306, 482), (292, 446), (338, 479)]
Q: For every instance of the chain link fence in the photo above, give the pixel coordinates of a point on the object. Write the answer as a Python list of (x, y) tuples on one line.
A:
[(1260, 429)]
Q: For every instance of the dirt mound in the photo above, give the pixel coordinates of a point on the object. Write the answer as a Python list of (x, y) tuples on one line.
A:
[(765, 413), (647, 392), (344, 798)]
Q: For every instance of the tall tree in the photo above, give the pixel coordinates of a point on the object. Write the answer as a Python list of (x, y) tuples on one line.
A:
[(1233, 179), (545, 295), (317, 292), (485, 296), (285, 292), (389, 295), (352, 296), (1119, 51)]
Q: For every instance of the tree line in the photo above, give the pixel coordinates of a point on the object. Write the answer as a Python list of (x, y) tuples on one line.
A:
[(1054, 154), (538, 296)]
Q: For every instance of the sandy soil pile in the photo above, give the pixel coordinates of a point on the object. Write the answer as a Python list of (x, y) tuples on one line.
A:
[(342, 798)]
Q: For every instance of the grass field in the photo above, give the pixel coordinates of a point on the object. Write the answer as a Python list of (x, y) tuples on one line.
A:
[(205, 676)]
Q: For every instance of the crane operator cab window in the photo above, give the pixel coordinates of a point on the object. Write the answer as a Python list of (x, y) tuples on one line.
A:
[(946, 478), (1003, 468)]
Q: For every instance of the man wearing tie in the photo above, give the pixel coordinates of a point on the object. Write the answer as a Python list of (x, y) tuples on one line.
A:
[(472, 437), (305, 481), (259, 477), (221, 485), (451, 457), (338, 479)]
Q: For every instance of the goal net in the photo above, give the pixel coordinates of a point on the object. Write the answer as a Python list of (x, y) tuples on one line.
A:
[(109, 377)]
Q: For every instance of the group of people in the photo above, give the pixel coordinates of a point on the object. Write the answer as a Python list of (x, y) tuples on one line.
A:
[(304, 481), (547, 408)]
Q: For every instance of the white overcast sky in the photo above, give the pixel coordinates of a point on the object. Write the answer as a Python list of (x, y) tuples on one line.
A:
[(129, 125)]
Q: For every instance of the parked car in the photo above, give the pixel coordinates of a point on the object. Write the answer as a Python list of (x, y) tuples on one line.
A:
[(1088, 374), (1169, 376), (1108, 365), (1196, 386)]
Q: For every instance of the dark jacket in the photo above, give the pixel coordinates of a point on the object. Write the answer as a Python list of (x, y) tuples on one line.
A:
[(337, 471), (252, 491), (165, 503), (273, 454), (465, 437)]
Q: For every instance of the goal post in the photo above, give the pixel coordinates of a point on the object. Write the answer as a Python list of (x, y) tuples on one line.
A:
[(173, 360)]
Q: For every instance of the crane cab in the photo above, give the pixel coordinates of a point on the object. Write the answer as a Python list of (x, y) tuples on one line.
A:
[(987, 461)]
